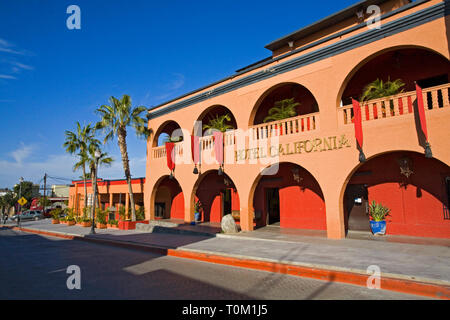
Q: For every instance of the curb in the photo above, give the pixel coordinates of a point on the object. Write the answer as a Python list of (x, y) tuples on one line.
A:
[(392, 282)]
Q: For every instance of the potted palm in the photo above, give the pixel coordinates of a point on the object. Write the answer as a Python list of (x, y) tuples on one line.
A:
[(101, 218), (70, 218), (378, 214), (56, 216), (113, 224), (378, 89), (218, 124), (283, 109), (198, 210)]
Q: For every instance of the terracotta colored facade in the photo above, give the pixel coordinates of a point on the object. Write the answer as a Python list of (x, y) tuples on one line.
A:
[(304, 171), (111, 193), (319, 174)]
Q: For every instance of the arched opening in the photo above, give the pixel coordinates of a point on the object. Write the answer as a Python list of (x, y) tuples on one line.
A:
[(416, 190), (168, 130), (408, 64), (218, 196), (287, 195), (210, 115), (168, 199), (302, 97)]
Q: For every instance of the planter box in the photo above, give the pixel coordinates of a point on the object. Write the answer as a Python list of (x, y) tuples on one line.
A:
[(112, 226), (70, 223), (130, 225), (55, 221), (101, 226), (378, 228), (86, 224)]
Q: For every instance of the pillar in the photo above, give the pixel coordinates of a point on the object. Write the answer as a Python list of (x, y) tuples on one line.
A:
[(127, 204)]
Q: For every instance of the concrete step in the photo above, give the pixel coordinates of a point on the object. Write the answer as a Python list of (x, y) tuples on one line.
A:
[(170, 228)]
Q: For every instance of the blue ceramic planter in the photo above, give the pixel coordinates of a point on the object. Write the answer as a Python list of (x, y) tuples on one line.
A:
[(378, 227), (197, 216)]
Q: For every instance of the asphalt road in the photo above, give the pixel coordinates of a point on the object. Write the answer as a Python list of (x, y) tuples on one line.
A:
[(34, 267)]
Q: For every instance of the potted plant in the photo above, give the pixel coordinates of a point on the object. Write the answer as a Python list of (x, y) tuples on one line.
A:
[(70, 218), (283, 109), (113, 224), (198, 210), (378, 214), (86, 222), (140, 214), (101, 218), (55, 216), (378, 89)]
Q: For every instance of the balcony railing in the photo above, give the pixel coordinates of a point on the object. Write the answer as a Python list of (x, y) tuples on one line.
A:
[(286, 127), (398, 105), (160, 152)]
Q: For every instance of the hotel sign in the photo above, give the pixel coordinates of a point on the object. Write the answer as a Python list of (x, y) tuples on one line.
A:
[(299, 147)]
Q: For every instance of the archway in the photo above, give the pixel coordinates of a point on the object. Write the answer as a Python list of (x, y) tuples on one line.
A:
[(287, 195), (218, 196), (169, 129), (168, 199), (212, 113), (409, 64), (414, 188), (283, 91)]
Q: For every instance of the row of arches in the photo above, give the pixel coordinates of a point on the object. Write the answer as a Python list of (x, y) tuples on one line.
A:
[(408, 64), (416, 189)]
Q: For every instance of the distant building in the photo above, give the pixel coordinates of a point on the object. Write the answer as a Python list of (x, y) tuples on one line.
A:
[(60, 191)]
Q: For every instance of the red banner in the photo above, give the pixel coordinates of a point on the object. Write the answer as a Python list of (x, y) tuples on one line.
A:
[(195, 149), (358, 122), (421, 109), (170, 154), (218, 146)]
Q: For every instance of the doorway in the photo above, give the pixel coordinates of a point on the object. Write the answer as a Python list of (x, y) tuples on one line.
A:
[(273, 206), (226, 202), (357, 205)]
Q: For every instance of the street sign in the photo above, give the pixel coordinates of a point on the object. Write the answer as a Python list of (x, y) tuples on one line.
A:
[(22, 201)]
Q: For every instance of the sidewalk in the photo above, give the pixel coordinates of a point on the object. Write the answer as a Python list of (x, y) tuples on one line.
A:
[(405, 265)]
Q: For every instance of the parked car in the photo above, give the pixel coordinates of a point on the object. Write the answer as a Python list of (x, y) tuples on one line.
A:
[(29, 215)]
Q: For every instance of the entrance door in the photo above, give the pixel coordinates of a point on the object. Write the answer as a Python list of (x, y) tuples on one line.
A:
[(273, 206), (226, 202), (357, 206)]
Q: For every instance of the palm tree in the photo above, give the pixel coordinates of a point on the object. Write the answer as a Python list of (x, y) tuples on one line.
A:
[(282, 110), (114, 121), (378, 89), (77, 142), (218, 123)]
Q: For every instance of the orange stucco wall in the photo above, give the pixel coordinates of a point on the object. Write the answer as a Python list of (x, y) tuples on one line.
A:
[(317, 201)]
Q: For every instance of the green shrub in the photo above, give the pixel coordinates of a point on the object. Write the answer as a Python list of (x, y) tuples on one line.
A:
[(70, 215), (378, 212), (100, 215), (55, 213), (140, 214), (113, 222), (122, 213)]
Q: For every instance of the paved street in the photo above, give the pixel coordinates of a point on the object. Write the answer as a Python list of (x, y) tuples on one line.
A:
[(34, 267)]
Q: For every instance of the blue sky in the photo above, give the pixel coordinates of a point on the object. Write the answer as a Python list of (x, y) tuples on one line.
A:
[(51, 77)]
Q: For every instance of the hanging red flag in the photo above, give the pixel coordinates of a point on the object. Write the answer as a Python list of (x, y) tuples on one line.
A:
[(218, 146), (358, 122), (423, 120), (421, 109), (195, 149), (170, 154)]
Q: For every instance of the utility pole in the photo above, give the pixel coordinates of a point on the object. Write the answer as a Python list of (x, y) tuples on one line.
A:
[(45, 187)]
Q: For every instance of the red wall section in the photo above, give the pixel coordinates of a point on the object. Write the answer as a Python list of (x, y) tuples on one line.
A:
[(301, 209), (302, 205), (209, 194), (416, 203), (177, 198), (177, 209)]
